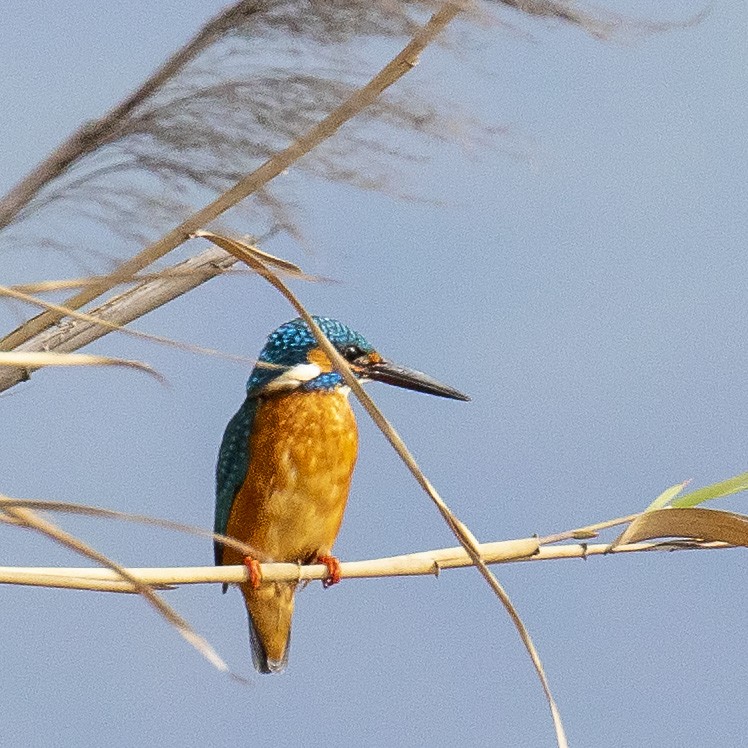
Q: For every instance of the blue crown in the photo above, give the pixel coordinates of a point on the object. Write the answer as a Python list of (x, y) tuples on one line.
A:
[(289, 345)]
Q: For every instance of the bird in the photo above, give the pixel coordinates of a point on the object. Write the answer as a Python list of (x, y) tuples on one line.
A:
[(285, 466)]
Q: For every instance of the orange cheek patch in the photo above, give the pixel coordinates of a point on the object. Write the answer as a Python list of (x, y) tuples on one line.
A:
[(319, 357)]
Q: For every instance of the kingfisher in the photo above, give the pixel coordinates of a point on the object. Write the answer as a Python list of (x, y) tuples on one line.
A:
[(285, 466)]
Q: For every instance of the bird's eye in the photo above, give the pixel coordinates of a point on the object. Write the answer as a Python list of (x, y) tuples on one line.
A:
[(352, 352)]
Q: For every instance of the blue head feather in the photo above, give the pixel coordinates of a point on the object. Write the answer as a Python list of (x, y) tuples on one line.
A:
[(289, 345)]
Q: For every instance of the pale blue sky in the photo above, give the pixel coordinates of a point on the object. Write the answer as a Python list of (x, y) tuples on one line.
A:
[(589, 295)]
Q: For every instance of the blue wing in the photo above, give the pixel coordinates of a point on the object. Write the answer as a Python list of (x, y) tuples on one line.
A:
[(233, 461)]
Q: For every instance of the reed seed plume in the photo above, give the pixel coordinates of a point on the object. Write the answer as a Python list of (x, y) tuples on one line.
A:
[(254, 79)]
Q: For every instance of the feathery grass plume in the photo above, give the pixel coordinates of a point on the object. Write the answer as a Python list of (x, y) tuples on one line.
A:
[(259, 87), (253, 79)]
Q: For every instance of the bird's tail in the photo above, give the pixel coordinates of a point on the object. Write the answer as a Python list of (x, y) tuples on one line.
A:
[(270, 610)]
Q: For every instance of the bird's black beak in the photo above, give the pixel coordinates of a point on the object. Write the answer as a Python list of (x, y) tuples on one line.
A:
[(409, 379)]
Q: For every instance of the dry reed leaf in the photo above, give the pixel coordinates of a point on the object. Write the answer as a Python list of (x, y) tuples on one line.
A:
[(34, 522), (37, 360), (67, 284), (115, 327), (143, 519), (710, 525), (284, 266)]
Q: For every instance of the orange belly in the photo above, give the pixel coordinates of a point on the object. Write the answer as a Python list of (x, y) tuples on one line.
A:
[(302, 452)]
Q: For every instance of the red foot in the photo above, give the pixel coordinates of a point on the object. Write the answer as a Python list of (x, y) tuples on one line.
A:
[(255, 573), (333, 570)]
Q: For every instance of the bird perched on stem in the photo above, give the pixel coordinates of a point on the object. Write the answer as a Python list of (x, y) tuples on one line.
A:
[(285, 465)]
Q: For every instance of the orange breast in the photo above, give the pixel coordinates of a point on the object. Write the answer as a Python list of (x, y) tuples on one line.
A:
[(302, 452)]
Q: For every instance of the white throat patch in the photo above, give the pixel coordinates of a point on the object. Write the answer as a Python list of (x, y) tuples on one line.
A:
[(293, 377)]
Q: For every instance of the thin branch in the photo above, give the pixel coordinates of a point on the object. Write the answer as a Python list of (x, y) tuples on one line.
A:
[(424, 563)]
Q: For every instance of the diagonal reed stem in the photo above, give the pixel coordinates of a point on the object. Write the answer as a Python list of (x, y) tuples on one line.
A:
[(247, 254)]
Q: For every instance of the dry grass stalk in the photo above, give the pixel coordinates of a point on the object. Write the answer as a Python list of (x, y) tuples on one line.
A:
[(72, 284)]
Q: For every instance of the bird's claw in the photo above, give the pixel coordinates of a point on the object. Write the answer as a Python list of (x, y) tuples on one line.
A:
[(255, 572), (333, 570)]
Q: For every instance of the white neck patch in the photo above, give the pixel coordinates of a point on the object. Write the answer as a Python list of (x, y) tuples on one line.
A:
[(293, 378)]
